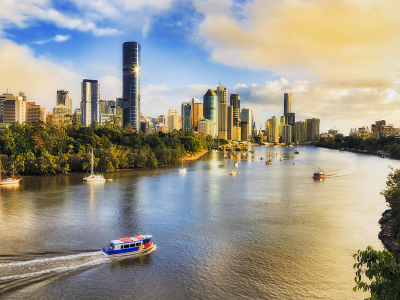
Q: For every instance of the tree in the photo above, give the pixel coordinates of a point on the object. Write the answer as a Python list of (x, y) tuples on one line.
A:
[(392, 193), (382, 271)]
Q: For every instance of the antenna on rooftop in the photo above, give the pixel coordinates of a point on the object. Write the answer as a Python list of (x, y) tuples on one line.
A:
[(219, 75)]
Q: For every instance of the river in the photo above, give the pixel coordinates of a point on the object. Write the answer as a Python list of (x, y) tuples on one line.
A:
[(269, 232)]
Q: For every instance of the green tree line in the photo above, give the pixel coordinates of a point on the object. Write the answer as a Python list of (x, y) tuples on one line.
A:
[(388, 144), (380, 267), (49, 148)]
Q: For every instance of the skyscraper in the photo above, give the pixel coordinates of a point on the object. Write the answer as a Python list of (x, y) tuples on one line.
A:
[(312, 129), (210, 106), (246, 115), (230, 123), (131, 83), (300, 132), (235, 102), (287, 99), (197, 115), (90, 101), (222, 94)]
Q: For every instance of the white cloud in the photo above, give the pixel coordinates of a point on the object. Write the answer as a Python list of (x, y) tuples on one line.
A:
[(38, 78), (58, 38)]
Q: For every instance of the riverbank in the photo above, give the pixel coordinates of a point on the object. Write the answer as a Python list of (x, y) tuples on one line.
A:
[(195, 157), (388, 234)]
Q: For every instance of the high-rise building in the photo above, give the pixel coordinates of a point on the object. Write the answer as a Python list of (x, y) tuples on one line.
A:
[(197, 110), (78, 114), (235, 102), (313, 129), (244, 133), (287, 134), (378, 127), (272, 130), (187, 114), (230, 123), (363, 132), (300, 132), (222, 94), (173, 120), (131, 53), (90, 102), (63, 98), (287, 102), (246, 115), (14, 107), (210, 105)]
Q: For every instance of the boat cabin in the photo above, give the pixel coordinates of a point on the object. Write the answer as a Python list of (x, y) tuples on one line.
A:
[(132, 242)]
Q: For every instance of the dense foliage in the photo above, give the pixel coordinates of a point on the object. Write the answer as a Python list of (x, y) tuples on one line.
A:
[(380, 267), (382, 271), (389, 144), (48, 148)]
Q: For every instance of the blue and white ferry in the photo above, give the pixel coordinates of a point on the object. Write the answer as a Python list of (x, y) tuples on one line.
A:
[(129, 245)]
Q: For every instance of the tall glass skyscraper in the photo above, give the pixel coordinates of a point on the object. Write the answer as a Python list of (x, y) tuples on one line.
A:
[(235, 102), (210, 108), (131, 52)]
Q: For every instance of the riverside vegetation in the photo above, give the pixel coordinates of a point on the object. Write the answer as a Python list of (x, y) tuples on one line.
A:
[(381, 267), (389, 145), (49, 148)]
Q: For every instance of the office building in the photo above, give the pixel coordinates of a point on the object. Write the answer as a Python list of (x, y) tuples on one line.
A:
[(131, 62), (197, 110), (210, 106), (300, 132), (272, 130), (173, 120), (244, 132), (187, 114), (312, 126), (14, 107), (63, 98), (230, 123), (208, 127), (90, 101), (222, 94), (62, 114), (363, 132), (161, 119), (287, 134), (78, 115), (235, 102), (35, 112), (246, 115)]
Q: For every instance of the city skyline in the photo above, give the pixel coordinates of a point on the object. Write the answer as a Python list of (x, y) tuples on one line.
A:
[(345, 76)]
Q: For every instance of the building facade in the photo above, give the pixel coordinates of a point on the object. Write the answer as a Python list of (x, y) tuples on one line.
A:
[(287, 134), (230, 123), (131, 62), (63, 98), (300, 132), (62, 114), (313, 129), (246, 115), (197, 110), (14, 108), (35, 112), (90, 103), (173, 120)]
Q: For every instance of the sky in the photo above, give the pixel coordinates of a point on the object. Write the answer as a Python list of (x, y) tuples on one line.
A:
[(339, 59)]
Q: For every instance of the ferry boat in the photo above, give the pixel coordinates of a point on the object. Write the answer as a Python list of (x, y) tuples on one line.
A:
[(319, 175), (129, 245)]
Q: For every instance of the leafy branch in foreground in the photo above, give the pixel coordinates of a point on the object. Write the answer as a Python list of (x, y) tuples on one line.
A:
[(382, 270)]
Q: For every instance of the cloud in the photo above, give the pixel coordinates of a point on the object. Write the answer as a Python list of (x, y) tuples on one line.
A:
[(25, 13), (38, 78), (344, 42), (58, 38)]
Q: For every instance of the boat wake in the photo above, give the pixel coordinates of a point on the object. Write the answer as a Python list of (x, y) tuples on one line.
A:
[(18, 274)]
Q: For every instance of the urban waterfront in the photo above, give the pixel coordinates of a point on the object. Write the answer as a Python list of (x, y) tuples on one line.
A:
[(270, 232)]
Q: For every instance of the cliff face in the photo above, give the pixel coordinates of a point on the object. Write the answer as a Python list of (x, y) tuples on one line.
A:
[(388, 234)]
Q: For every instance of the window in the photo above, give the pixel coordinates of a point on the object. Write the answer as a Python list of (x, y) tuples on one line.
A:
[(138, 244)]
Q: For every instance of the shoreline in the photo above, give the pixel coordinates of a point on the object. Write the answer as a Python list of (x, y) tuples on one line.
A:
[(195, 157), (388, 234)]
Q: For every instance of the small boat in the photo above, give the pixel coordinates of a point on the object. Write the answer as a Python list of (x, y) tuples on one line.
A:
[(9, 180), (268, 162), (129, 245), (182, 169), (296, 151), (281, 159), (93, 176), (319, 175), (261, 158), (232, 172), (236, 164)]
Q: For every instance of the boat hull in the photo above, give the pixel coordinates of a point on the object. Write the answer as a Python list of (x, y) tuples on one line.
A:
[(129, 251), (7, 182), (90, 179)]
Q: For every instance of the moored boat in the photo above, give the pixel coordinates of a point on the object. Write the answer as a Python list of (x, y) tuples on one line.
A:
[(268, 162), (129, 245), (296, 151), (93, 176), (319, 175), (9, 180)]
